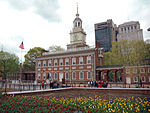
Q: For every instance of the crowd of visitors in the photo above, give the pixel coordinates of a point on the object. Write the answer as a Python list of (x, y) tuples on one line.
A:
[(51, 84), (44, 84), (98, 84)]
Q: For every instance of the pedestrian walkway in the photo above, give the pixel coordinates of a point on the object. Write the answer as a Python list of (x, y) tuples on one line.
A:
[(127, 90)]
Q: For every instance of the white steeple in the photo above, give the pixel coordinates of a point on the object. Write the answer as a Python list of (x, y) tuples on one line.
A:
[(77, 35)]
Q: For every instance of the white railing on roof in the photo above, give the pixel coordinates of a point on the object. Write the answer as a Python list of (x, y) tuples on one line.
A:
[(68, 50)]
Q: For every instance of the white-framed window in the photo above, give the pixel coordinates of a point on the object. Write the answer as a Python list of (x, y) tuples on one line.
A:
[(39, 75), (135, 79), (55, 75), (61, 62), (39, 63), (89, 60), (127, 71), (49, 76), (134, 70), (142, 70), (49, 62), (88, 75), (81, 76), (81, 60), (66, 75), (44, 63), (55, 62), (148, 70), (73, 61), (143, 79), (67, 61), (74, 75), (44, 75)]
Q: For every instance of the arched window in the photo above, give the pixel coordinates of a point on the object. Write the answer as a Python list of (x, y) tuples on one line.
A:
[(74, 75), (44, 75), (55, 75), (118, 76), (81, 75), (110, 76), (78, 24)]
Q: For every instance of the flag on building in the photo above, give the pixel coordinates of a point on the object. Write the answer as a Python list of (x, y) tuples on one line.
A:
[(21, 45)]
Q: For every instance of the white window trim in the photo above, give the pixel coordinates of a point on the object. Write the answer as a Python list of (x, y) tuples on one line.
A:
[(55, 77), (44, 75), (55, 62), (80, 75), (134, 79), (50, 77), (67, 60), (73, 61), (44, 62), (39, 63), (75, 76), (88, 76), (89, 59), (66, 77), (81, 60), (50, 62), (141, 71), (149, 79), (144, 79), (61, 61)]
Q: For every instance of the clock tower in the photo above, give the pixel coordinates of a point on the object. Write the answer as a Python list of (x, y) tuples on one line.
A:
[(77, 35)]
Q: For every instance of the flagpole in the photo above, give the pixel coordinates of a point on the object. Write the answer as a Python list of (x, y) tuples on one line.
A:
[(21, 47)]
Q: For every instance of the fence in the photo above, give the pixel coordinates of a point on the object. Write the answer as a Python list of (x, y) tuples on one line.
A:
[(31, 85)]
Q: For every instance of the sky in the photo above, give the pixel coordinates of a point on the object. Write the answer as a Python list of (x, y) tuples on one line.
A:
[(44, 23)]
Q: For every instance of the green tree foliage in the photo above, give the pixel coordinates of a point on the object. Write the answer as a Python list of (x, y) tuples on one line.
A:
[(30, 58), (55, 48), (9, 63), (128, 53)]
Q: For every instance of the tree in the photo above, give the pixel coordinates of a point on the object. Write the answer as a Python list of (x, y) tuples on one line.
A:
[(126, 53), (9, 63), (55, 48), (30, 57)]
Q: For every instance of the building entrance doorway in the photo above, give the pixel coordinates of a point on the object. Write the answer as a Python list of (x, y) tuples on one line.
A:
[(99, 76), (61, 75)]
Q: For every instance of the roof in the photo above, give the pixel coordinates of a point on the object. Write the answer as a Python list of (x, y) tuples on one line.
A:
[(68, 52), (129, 23), (77, 19)]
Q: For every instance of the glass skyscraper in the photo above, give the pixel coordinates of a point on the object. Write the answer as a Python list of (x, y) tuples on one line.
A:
[(105, 33)]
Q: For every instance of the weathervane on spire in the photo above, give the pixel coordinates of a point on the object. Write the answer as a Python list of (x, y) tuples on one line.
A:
[(77, 10)]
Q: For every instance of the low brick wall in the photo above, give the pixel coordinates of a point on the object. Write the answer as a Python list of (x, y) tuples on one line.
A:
[(133, 91)]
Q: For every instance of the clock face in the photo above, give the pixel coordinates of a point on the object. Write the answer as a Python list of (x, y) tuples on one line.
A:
[(75, 36)]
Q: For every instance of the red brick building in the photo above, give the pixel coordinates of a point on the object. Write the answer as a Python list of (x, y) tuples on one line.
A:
[(75, 65)]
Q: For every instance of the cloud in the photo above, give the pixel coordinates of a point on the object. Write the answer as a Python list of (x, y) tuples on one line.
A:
[(45, 8), (140, 11)]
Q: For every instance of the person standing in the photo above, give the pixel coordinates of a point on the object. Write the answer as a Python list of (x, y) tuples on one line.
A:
[(88, 83), (45, 84), (42, 84)]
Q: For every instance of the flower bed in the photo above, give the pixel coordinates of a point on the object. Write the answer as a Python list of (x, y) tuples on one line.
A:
[(36, 104)]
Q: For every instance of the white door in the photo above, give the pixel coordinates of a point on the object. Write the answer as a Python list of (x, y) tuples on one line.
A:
[(61, 77), (128, 80)]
